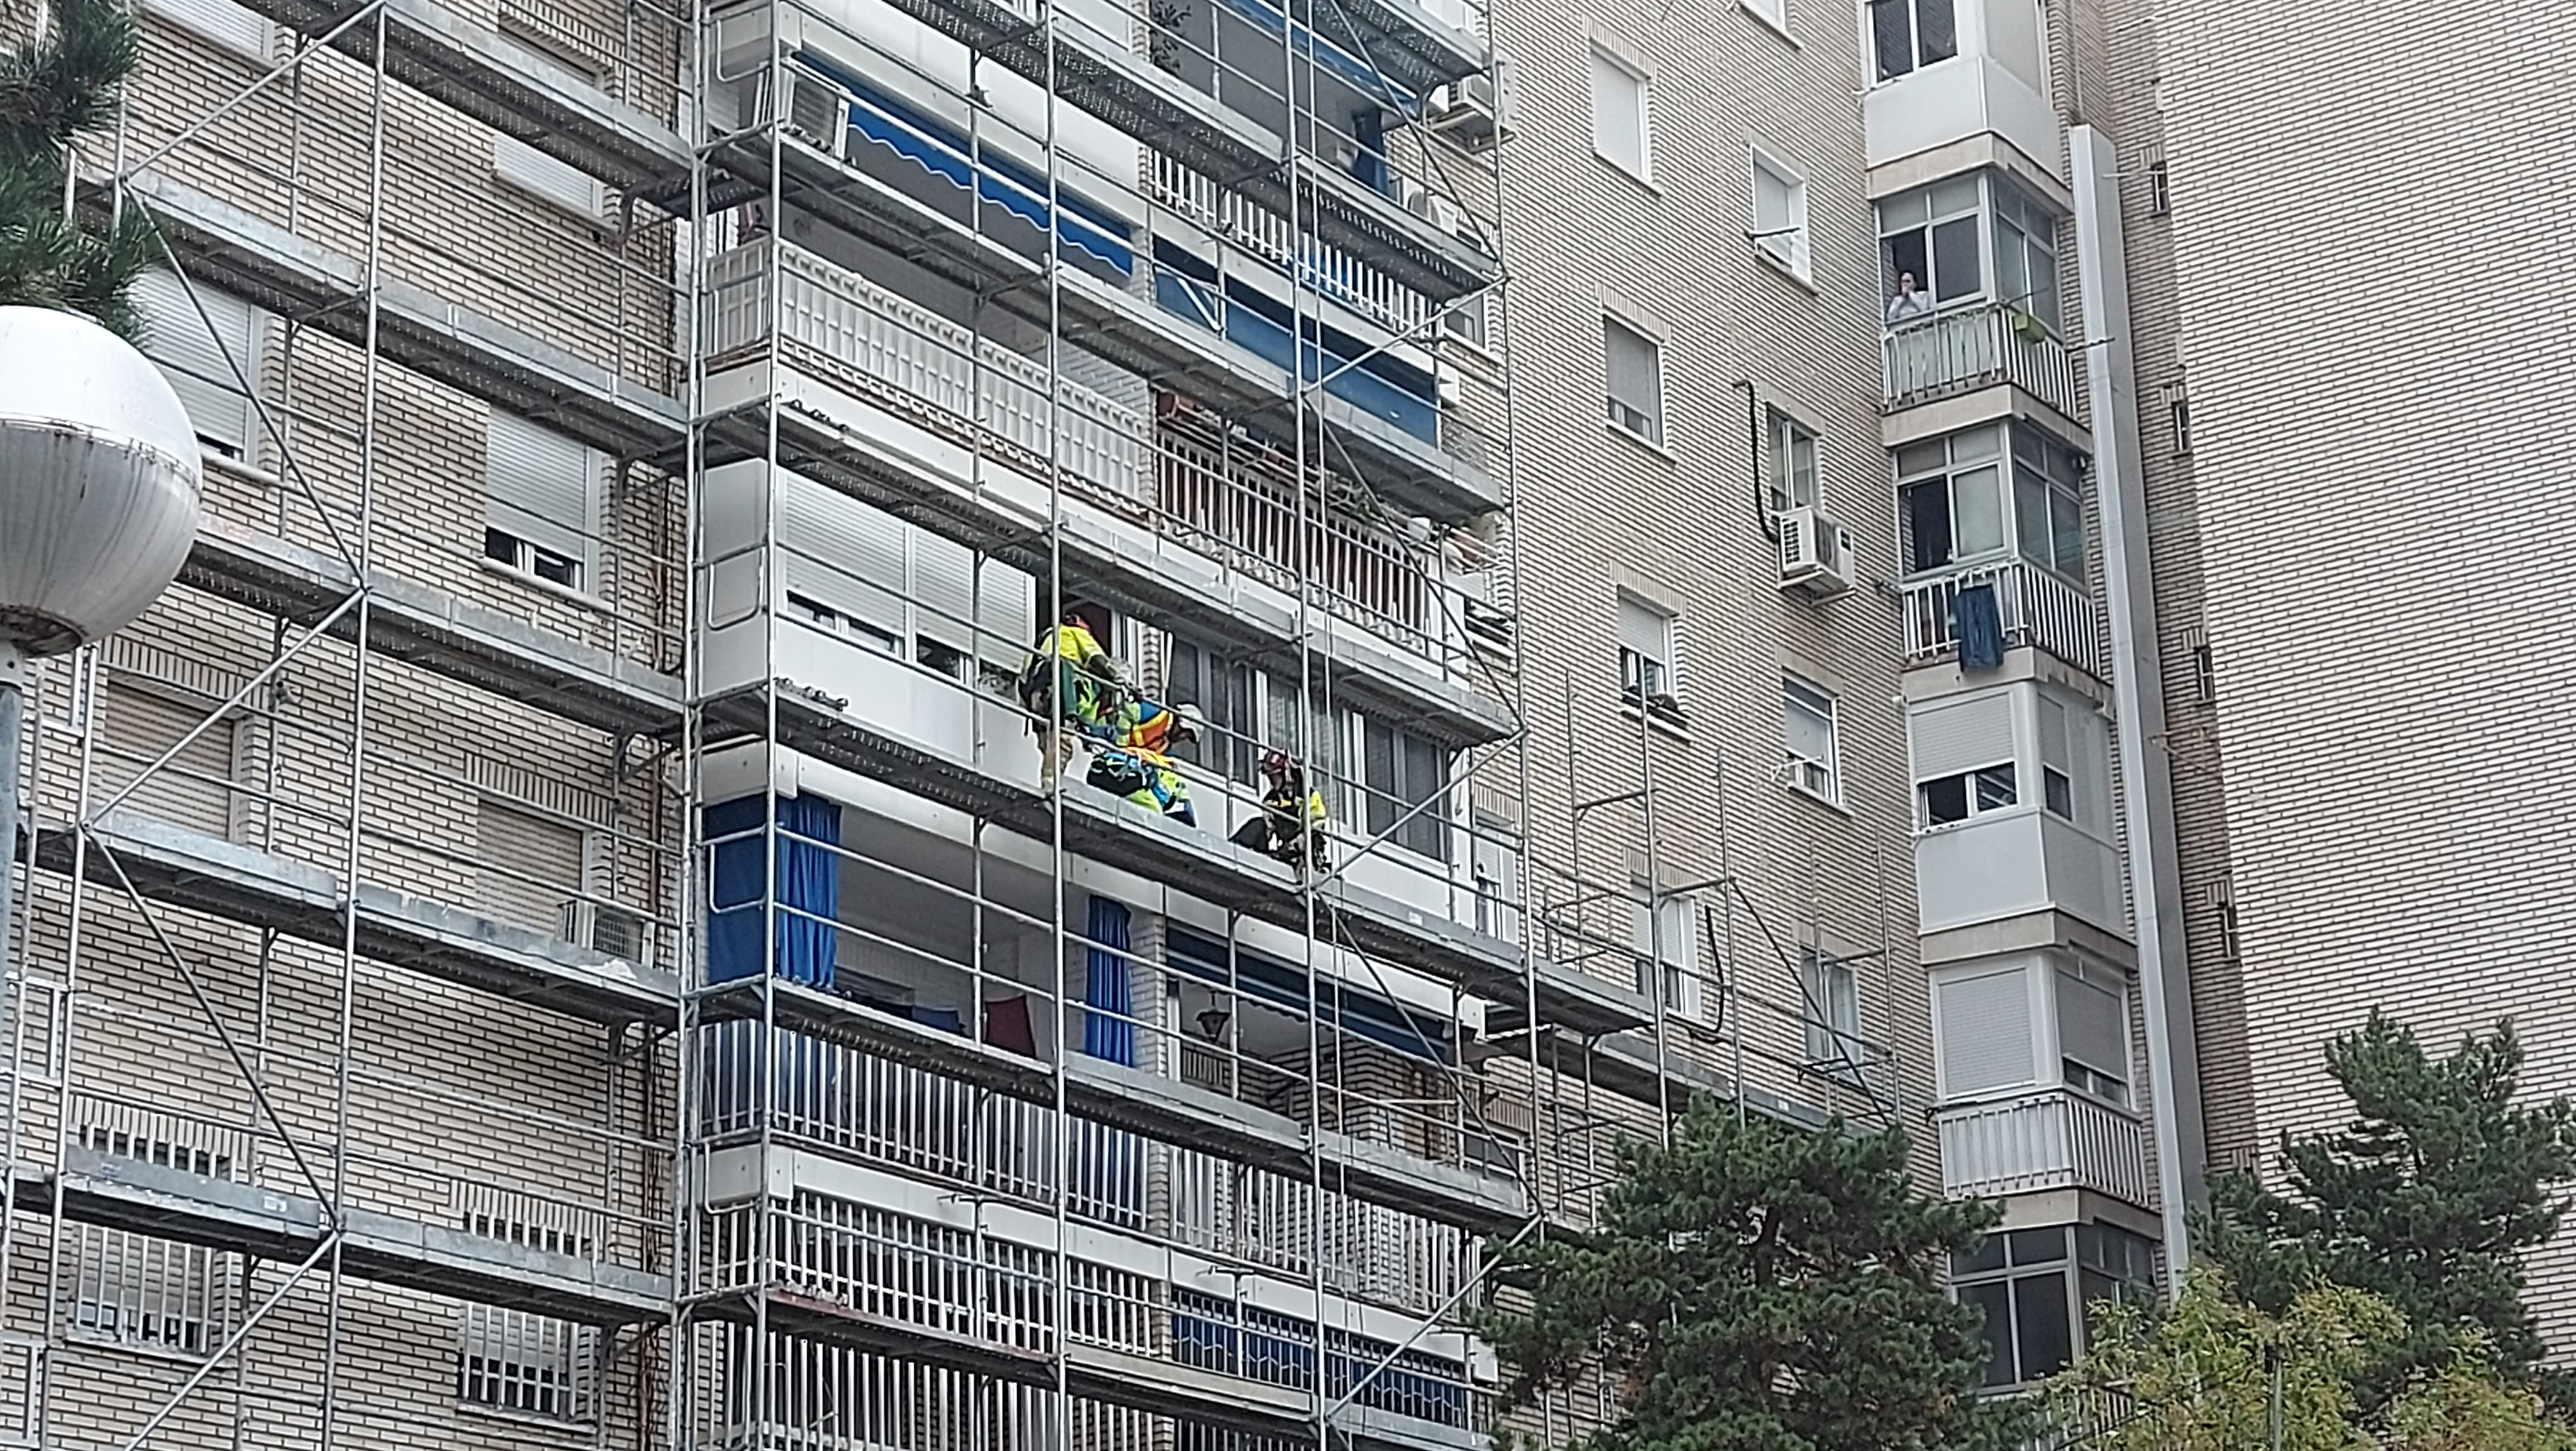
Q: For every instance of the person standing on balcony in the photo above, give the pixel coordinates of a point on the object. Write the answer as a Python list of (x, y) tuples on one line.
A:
[(1907, 304), (1081, 691), (1291, 824)]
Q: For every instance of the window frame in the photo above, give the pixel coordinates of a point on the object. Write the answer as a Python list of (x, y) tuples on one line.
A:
[(523, 556), (225, 23), (1822, 780), (1829, 1012), (531, 172), (500, 1330), (2116, 1090), (97, 1313), (1655, 434), (1650, 680), (1795, 258), (2013, 212), (1968, 1274), (1954, 466), (1972, 784), (224, 310), (1875, 35), (1607, 61), (1680, 991), (1785, 435)]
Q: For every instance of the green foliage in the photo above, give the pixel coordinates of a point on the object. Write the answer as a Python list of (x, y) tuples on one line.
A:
[(1756, 1287), (2197, 1377), (2464, 1407), (58, 86), (2428, 1199)]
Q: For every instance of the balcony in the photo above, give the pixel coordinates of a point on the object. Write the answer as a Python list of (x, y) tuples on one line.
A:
[(1332, 271), (1952, 353), (2049, 1138), (2039, 608), (2015, 862)]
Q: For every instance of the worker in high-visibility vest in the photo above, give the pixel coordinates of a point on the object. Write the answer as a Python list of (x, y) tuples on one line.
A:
[(1081, 692), (1291, 824)]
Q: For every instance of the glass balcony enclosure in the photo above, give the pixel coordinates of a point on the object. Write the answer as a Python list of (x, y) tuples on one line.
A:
[(1998, 492)]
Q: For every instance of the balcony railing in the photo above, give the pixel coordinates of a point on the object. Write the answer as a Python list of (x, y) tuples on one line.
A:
[(1371, 1252), (2038, 607), (2048, 1139), (1330, 271), (913, 362), (1958, 352)]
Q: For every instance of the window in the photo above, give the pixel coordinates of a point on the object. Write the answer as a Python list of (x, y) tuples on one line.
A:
[(1399, 772), (2222, 900), (2178, 418), (1950, 499), (1931, 235), (1465, 321), (1636, 373), (1622, 128), (2112, 1264), (1815, 757), (1496, 870), (2025, 253), (531, 866), (2159, 190), (2020, 1279), (528, 1364), (534, 172), (1909, 34), (2204, 666), (1949, 799), (544, 504), (1986, 1035), (1793, 464), (2093, 1033), (1831, 1006), (1780, 213), (199, 353), (1228, 695), (194, 787), (2048, 502), (1670, 919), (1776, 12), (235, 27), (2056, 758), (146, 1293), (1646, 658)]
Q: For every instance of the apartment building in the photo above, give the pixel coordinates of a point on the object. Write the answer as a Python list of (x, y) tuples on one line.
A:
[(555, 931), (2325, 883)]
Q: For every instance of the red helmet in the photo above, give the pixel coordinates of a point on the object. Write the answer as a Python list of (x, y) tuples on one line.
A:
[(1278, 763)]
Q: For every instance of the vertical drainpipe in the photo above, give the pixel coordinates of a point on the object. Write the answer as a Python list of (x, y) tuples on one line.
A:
[(2137, 691)]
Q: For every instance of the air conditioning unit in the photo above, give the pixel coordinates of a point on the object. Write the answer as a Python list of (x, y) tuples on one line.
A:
[(1480, 112), (1815, 552), (610, 930), (1434, 208)]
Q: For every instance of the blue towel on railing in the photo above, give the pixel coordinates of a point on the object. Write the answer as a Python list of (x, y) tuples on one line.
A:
[(1979, 620)]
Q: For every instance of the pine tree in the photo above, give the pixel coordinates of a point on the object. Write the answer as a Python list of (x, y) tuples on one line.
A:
[(2428, 1199), (1756, 1287), (59, 84)]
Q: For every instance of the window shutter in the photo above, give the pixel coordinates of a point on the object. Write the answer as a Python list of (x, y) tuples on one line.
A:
[(1985, 1032), (1618, 112), (2054, 749), (1961, 735), (1808, 724), (192, 357), (544, 486), (842, 553), (235, 27), (1643, 630), (1632, 372), (190, 790), (943, 587), (2092, 1026), (542, 176), (1008, 617), (531, 867)]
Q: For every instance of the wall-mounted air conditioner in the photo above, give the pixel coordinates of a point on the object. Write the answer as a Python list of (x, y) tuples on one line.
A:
[(612, 930), (1815, 552), (1480, 112)]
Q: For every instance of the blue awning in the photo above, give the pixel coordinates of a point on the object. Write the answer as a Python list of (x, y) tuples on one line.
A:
[(1363, 77), (995, 179), (1360, 1014)]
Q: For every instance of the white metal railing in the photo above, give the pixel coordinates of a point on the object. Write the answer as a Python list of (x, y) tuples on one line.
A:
[(1327, 270), (2037, 606), (923, 1121), (1952, 352), (1371, 1252), (2048, 1139), (512, 1360), (911, 360)]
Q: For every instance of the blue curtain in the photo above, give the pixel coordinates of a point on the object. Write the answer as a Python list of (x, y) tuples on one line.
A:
[(809, 879), (1110, 1032), (1979, 618)]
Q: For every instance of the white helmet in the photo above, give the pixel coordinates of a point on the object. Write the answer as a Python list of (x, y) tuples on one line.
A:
[(1189, 718)]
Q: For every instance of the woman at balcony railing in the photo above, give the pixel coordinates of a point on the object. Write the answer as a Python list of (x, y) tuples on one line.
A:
[(1907, 304)]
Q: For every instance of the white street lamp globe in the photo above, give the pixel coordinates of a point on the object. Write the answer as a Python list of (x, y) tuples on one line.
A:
[(99, 482)]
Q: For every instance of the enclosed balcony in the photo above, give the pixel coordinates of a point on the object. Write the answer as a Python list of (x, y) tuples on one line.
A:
[(2044, 1139), (2033, 607), (1969, 268), (2012, 788), (1996, 547), (1978, 346), (1947, 72)]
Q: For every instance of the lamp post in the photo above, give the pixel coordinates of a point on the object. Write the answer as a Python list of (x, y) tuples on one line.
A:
[(99, 496)]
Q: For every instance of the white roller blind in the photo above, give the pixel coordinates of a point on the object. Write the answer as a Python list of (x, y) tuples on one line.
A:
[(943, 587), (2089, 747), (1960, 735), (1619, 113), (542, 176), (842, 553), (192, 357), (191, 789), (1808, 722), (2053, 747), (1635, 377), (236, 27), (1985, 1032), (531, 867), (2092, 1025), (1008, 615), (1644, 630), (1778, 211), (544, 487)]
